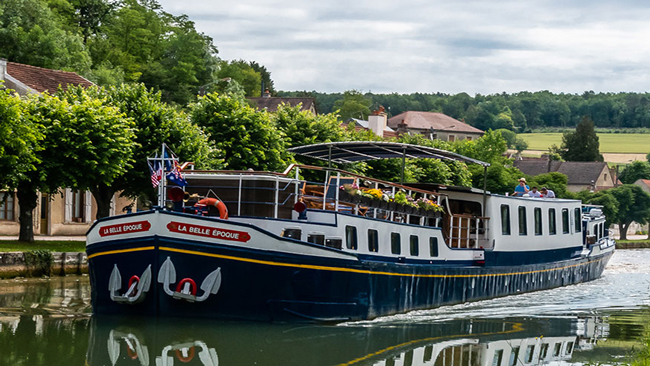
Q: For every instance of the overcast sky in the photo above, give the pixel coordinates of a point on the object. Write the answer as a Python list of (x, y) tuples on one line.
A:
[(434, 46)]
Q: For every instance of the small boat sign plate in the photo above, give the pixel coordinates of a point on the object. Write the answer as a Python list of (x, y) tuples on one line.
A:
[(209, 232), (125, 228)]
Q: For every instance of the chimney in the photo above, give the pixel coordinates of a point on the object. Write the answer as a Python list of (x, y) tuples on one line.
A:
[(3, 69), (402, 128), (377, 122)]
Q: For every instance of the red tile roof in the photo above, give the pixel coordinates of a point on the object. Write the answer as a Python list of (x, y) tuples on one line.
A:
[(427, 120), (42, 80)]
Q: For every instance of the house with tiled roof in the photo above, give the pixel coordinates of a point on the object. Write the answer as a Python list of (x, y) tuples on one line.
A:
[(26, 79), (271, 104), (434, 126), (377, 123), (69, 212), (589, 175)]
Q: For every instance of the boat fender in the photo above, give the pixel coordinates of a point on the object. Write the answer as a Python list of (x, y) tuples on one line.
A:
[(181, 284), (223, 210)]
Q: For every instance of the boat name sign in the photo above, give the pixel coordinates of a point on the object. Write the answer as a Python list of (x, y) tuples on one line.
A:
[(206, 231), (126, 228)]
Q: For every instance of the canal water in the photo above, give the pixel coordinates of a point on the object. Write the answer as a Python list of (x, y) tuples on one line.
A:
[(49, 322)]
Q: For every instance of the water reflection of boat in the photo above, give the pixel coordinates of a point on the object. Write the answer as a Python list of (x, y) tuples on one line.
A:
[(293, 250), (515, 342)]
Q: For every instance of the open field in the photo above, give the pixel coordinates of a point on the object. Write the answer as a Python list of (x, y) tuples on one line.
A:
[(621, 143)]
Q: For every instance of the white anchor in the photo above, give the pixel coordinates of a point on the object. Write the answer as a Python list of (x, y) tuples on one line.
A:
[(136, 291), (167, 276)]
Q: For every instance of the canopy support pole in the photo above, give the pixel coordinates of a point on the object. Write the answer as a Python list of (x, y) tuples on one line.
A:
[(484, 188), (403, 165)]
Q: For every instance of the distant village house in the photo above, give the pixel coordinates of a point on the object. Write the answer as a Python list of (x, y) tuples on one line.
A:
[(589, 175), (433, 126)]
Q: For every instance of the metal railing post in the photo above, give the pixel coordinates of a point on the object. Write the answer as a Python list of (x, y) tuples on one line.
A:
[(336, 196), (239, 197), (277, 196)]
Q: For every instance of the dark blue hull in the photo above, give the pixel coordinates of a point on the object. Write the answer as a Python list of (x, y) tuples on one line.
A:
[(273, 286)]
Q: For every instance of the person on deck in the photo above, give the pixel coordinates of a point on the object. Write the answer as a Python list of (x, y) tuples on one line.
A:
[(547, 193), (535, 193), (521, 188)]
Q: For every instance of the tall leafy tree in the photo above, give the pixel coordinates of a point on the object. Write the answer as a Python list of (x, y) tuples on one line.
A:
[(581, 145), (266, 77), (242, 72), (304, 128), (633, 172), (353, 105), (248, 138), (31, 34), (19, 140), (633, 206), (154, 123)]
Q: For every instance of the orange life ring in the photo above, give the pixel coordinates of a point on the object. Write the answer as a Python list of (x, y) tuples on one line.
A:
[(223, 210)]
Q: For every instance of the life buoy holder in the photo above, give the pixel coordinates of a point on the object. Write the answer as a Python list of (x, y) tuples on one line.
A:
[(223, 210), (180, 285), (184, 359)]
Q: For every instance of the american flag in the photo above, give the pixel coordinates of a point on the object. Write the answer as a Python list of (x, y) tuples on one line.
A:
[(156, 173)]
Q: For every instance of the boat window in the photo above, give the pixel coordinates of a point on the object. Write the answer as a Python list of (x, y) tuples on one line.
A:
[(551, 221), (577, 219), (530, 351), (538, 221), (523, 225), (395, 243), (498, 355), (292, 233), (433, 247), (543, 351), (565, 221), (415, 245), (602, 230), (428, 353), (373, 240), (556, 349), (569, 348), (514, 356), (334, 243), (505, 219), (351, 237), (316, 239)]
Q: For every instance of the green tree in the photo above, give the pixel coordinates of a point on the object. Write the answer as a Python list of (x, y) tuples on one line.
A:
[(19, 140), (30, 34), (304, 128), (266, 77), (557, 182), (248, 139), (633, 172), (581, 145), (244, 74), (155, 123), (633, 206), (353, 105)]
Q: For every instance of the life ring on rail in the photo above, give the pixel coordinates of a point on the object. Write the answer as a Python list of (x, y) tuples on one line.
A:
[(223, 210)]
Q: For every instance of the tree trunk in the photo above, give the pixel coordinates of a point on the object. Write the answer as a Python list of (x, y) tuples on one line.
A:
[(622, 228), (103, 195), (27, 200)]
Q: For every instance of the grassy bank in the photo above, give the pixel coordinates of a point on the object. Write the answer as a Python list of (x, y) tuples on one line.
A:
[(624, 143), (52, 246)]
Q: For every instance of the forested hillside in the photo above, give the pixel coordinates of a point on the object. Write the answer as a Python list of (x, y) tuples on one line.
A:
[(523, 111)]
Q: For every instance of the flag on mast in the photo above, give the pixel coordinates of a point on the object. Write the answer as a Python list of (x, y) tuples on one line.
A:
[(156, 172)]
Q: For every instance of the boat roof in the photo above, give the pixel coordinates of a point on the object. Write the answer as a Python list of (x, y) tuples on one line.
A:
[(356, 151)]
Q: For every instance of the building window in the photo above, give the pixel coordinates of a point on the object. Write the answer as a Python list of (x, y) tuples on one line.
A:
[(7, 200), (577, 219), (538, 221), (395, 243), (523, 224), (433, 247), (565, 221), (451, 138), (551, 221), (373, 240), (351, 237), (415, 245), (505, 219), (78, 206)]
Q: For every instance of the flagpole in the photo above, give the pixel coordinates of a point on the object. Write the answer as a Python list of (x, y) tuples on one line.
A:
[(161, 187)]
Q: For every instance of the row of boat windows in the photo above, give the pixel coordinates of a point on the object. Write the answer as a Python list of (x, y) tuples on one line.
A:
[(530, 353), (537, 214), (352, 241)]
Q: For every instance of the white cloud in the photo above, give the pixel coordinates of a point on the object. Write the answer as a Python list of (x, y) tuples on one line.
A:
[(434, 46)]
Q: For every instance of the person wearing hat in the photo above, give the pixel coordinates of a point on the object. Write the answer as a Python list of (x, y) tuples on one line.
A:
[(521, 188)]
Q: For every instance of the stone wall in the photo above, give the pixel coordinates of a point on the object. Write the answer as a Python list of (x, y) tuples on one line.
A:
[(13, 264)]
